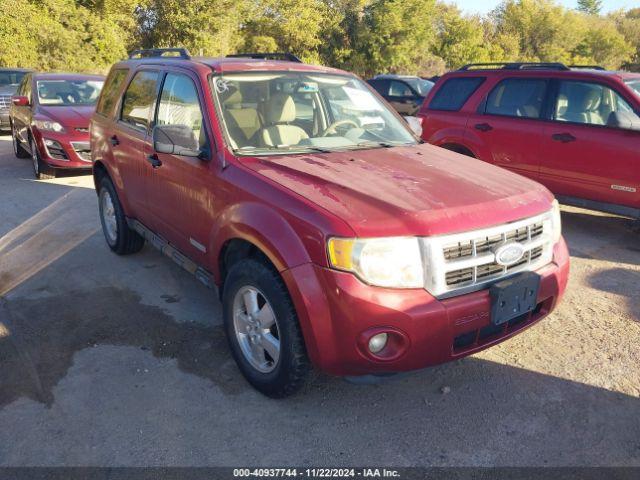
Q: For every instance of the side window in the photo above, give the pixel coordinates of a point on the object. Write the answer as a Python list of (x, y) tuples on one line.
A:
[(109, 96), (518, 97), (454, 93), (179, 105), (589, 103), (380, 86), (139, 99), (399, 89)]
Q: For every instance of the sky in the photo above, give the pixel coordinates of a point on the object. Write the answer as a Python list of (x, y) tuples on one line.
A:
[(484, 6)]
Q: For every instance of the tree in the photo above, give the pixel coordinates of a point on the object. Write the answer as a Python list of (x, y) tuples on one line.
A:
[(590, 7)]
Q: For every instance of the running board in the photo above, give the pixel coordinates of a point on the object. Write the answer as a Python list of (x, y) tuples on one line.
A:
[(203, 275)]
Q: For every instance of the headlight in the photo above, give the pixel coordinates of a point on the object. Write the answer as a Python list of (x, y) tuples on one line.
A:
[(556, 222), (394, 262), (48, 125)]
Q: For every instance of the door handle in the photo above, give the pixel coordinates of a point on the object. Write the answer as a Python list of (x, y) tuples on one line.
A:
[(483, 127), (563, 137), (114, 141), (154, 160)]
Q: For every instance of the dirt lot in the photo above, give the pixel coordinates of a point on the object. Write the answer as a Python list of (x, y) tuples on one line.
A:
[(122, 361)]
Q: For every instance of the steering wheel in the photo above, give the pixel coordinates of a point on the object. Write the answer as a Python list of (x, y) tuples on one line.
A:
[(332, 128)]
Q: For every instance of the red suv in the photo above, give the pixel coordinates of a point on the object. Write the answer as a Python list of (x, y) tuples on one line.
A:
[(333, 236), (49, 120), (575, 130)]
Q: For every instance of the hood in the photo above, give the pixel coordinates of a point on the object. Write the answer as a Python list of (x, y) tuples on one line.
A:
[(417, 190), (72, 117)]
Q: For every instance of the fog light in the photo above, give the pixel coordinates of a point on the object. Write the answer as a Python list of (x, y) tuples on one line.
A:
[(52, 143), (378, 342)]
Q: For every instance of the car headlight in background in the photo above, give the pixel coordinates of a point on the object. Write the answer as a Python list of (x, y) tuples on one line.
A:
[(556, 222), (48, 125), (394, 262)]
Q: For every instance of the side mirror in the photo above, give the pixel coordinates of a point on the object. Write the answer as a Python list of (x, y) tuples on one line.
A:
[(176, 140), (20, 101), (415, 124), (624, 120)]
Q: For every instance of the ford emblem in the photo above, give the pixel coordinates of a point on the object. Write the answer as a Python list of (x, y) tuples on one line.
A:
[(509, 254)]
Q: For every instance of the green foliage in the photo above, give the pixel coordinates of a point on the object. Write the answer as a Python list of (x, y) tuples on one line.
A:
[(365, 36)]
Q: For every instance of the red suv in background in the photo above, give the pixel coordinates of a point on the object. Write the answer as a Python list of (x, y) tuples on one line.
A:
[(575, 130), (333, 235), (49, 120)]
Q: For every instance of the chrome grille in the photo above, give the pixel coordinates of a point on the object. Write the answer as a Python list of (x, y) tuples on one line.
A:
[(467, 261), (83, 149), (5, 102)]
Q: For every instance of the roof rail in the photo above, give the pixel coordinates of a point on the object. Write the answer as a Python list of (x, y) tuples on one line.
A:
[(515, 66), (586, 67), (289, 57), (160, 52)]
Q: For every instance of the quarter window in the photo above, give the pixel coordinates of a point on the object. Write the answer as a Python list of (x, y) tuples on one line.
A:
[(179, 105), (139, 99), (518, 97), (589, 103), (110, 91), (454, 93)]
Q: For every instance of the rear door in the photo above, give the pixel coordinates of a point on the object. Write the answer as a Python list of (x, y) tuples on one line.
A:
[(181, 195), (582, 155), (507, 129), (128, 139)]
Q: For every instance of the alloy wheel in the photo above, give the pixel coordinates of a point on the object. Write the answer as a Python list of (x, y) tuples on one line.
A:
[(108, 213)]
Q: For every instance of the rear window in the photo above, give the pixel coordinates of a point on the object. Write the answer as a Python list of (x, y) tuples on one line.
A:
[(110, 91), (454, 93), (517, 97)]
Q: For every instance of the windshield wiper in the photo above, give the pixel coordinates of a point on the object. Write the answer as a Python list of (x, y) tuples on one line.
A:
[(287, 148)]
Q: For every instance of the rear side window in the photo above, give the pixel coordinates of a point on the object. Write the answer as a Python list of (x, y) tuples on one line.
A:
[(517, 97), (139, 99), (110, 91), (454, 93), (381, 86)]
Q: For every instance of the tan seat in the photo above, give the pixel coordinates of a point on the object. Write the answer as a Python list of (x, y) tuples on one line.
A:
[(279, 111), (243, 123)]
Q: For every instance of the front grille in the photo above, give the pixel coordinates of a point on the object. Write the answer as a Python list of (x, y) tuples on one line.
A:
[(83, 150), (467, 261), (5, 102)]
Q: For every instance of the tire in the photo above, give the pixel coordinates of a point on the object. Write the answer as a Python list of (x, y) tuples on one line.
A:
[(41, 170), (274, 318), (18, 150), (120, 238)]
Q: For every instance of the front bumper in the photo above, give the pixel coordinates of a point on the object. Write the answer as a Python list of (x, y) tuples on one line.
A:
[(72, 153), (337, 313)]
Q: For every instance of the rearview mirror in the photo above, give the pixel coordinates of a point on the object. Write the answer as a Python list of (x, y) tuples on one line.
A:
[(20, 101), (176, 140), (415, 123), (624, 120)]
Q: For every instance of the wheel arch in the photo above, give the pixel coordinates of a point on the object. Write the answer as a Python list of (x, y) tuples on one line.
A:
[(458, 148)]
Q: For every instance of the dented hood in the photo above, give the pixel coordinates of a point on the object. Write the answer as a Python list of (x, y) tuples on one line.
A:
[(416, 190)]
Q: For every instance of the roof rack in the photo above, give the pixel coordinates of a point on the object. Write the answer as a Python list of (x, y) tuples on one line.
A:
[(160, 52), (515, 66), (587, 67), (289, 57)]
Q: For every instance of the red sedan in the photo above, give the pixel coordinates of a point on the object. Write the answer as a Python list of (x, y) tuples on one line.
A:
[(49, 119)]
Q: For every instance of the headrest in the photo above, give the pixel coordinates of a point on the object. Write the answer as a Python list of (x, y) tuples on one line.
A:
[(563, 104), (280, 108), (233, 97), (592, 100)]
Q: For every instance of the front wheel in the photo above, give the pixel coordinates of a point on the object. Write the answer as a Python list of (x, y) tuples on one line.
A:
[(262, 329), (41, 170), (120, 238), (18, 150)]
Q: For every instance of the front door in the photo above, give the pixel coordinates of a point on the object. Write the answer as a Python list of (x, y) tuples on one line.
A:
[(181, 192), (583, 156), (508, 128)]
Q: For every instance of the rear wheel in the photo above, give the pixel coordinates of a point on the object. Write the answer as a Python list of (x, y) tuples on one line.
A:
[(18, 150), (41, 170), (262, 329), (120, 238)]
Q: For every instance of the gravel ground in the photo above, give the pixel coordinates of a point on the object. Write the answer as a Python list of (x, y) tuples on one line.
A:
[(110, 361)]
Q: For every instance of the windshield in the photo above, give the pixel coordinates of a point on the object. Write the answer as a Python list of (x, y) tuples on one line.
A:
[(635, 85), (419, 85), (278, 112), (68, 92), (8, 78)]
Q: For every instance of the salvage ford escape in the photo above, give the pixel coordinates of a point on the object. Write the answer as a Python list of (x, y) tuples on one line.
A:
[(334, 237)]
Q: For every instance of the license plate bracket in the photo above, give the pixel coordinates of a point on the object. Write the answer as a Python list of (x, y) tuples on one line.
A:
[(514, 297)]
